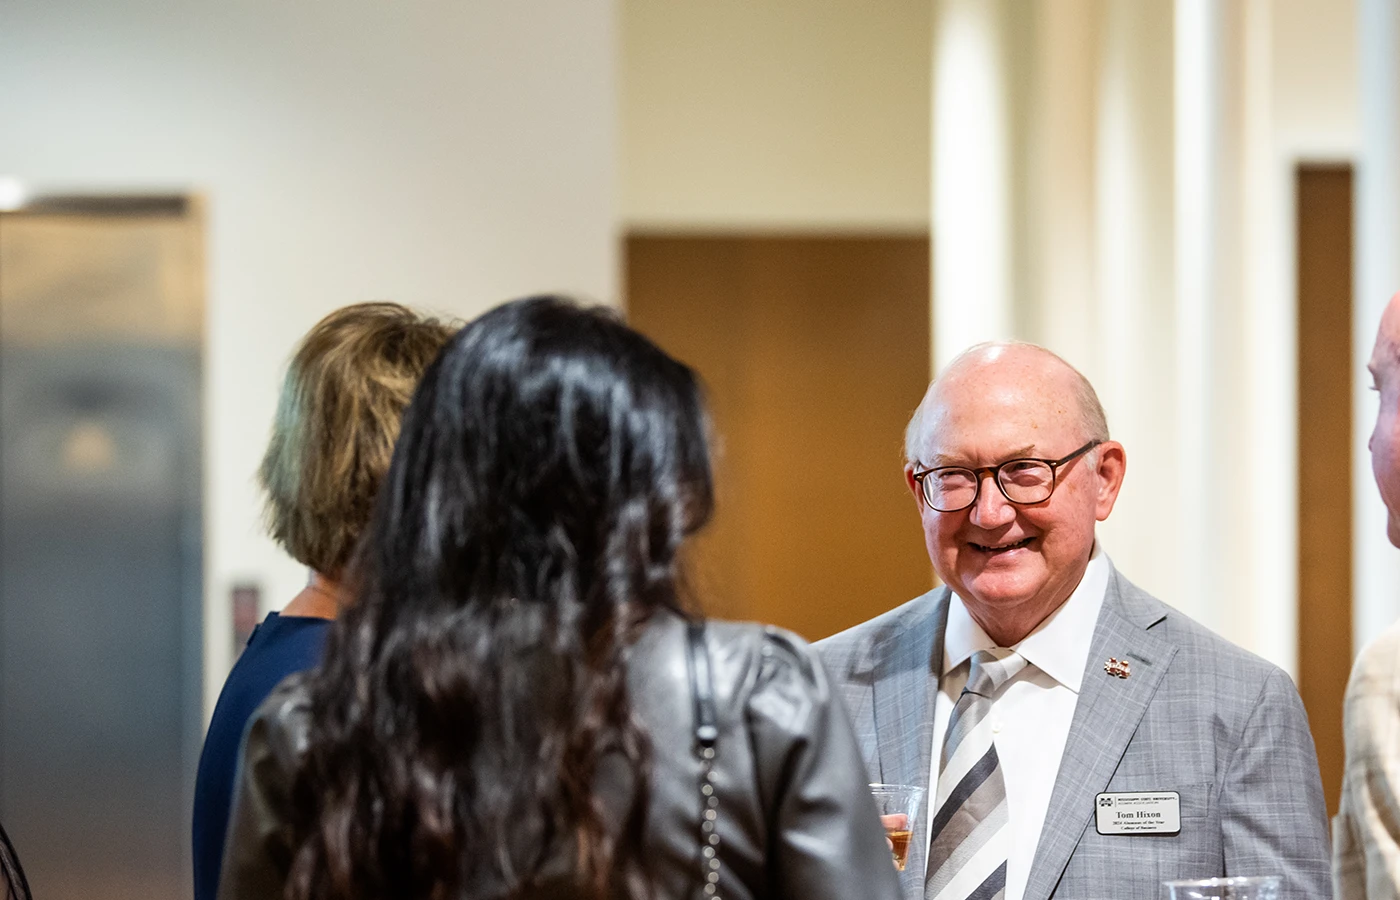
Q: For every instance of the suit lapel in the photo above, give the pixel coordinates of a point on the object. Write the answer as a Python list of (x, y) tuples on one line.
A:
[(906, 668), (1105, 719)]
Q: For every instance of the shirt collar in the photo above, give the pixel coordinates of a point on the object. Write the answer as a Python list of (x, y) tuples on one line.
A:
[(1059, 646)]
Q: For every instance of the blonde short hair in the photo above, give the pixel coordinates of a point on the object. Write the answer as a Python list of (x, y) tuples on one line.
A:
[(337, 419)]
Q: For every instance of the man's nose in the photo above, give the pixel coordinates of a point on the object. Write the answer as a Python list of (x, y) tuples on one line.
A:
[(992, 509)]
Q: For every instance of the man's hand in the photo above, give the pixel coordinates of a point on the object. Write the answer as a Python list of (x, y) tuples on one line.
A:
[(894, 822)]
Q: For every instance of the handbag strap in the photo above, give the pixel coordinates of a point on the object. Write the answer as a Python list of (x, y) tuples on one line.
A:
[(13, 884), (702, 692)]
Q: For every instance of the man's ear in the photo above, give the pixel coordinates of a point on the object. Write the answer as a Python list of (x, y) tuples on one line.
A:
[(914, 488), (1110, 466)]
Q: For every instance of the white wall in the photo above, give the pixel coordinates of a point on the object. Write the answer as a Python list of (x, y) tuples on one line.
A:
[(444, 154), (784, 114)]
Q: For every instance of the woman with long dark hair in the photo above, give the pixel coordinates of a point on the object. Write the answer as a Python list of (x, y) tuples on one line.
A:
[(518, 704)]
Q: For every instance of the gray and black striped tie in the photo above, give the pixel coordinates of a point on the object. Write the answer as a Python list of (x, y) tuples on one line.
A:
[(968, 839)]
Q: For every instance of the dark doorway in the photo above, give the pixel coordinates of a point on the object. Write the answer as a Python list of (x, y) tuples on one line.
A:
[(101, 330)]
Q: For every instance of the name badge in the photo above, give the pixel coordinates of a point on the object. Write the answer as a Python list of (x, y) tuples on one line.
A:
[(1138, 812)]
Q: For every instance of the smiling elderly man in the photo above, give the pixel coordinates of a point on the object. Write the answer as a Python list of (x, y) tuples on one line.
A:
[(1077, 738)]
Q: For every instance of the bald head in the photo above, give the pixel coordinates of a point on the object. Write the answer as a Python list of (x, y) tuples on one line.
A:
[(1000, 366), (1386, 353)]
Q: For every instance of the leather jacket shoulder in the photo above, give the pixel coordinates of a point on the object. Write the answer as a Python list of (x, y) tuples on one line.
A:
[(795, 816)]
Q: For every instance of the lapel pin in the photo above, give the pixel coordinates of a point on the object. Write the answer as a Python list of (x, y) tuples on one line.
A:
[(1117, 668)]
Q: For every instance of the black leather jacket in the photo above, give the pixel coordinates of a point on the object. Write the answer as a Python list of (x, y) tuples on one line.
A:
[(795, 815)]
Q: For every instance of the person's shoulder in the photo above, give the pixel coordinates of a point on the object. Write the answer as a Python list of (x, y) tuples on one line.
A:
[(1380, 654), (897, 621), (736, 649), (1371, 707), (274, 652), (783, 680), (287, 640), (1377, 667), (1202, 654), (279, 646), (769, 646), (769, 660), (281, 724)]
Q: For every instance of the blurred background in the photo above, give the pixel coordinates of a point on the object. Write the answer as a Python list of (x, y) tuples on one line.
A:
[(814, 202)]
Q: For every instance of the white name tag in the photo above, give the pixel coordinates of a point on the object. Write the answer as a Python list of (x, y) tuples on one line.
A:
[(1138, 812)]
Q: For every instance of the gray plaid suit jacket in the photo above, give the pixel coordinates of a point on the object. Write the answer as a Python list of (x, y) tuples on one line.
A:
[(1197, 715)]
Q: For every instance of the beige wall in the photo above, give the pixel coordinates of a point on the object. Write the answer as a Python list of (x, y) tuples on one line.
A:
[(785, 114), (443, 154), (1316, 93)]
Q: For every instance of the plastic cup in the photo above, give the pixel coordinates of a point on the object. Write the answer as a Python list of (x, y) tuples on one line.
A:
[(898, 805)]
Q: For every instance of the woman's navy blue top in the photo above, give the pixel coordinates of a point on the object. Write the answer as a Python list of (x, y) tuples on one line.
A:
[(278, 647)]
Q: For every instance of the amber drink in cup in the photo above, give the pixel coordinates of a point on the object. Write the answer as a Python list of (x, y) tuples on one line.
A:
[(898, 805)]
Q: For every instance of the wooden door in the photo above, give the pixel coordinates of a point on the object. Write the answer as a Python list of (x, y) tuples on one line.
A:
[(814, 352), (1324, 458)]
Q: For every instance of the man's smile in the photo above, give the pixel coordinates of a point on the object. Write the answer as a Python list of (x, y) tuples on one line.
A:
[(1000, 547)]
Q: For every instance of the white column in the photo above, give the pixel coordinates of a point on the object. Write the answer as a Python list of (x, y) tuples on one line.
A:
[(1270, 358), (1057, 309), (1376, 564), (1194, 73), (972, 159), (1214, 498), (1135, 283)]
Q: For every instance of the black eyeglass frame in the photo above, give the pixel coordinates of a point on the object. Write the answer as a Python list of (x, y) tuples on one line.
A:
[(980, 472)]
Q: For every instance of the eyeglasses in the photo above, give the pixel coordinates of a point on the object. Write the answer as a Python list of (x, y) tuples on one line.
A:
[(1022, 481)]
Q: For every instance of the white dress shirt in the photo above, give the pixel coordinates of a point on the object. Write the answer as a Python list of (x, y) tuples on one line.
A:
[(1031, 714)]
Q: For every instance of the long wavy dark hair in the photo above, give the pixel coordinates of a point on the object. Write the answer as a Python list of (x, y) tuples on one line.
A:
[(549, 468)]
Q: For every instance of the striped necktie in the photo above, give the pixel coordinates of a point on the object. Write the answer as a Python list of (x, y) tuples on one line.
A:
[(969, 838)]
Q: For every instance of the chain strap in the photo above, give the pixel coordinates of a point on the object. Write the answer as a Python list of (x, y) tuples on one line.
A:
[(709, 834), (702, 691)]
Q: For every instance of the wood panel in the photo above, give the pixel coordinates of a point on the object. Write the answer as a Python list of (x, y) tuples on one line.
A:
[(814, 352), (1324, 458)]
